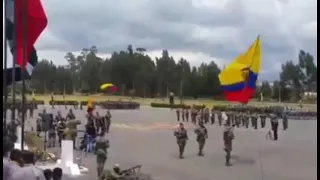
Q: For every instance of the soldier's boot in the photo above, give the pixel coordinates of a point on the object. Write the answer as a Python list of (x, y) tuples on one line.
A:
[(200, 152), (228, 159), (181, 152)]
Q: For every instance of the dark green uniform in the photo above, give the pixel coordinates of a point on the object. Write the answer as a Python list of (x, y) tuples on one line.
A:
[(202, 135), (108, 121), (182, 137), (178, 114), (228, 136), (254, 120), (263, 118), (220, 118), (284, 121), (102, 144), (213, 116), (186, 114)]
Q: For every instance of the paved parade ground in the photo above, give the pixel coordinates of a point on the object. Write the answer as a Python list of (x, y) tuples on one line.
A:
[(145, 137)]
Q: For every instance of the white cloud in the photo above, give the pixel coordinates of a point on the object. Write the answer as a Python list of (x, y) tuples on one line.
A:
[(198, 30)]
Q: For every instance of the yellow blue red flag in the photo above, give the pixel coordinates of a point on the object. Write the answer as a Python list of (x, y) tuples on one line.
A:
[(238, 79)]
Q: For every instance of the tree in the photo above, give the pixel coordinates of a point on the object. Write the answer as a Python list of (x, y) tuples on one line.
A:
[(136, 74)]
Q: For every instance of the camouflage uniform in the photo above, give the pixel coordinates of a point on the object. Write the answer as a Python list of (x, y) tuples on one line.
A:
[(284, 121), (102, 144), (193, 115), (228, 136), (254, 120), (220, 118), (274, 125), (246, 118), (213, 116), (182, 137), (108, 121), (178, 114), (186, 114), (202, 135), (263, 118), (206, 115)]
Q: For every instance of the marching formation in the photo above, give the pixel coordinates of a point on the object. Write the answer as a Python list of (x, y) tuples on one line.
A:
[(229, 118)]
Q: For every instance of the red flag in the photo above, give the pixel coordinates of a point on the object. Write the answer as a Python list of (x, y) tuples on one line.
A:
[(36, 23)]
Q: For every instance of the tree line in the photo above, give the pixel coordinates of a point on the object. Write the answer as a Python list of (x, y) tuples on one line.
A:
[(136, 74)]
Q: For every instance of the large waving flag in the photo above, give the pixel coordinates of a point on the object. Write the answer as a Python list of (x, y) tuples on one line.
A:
[(33, 13), (238, 79)]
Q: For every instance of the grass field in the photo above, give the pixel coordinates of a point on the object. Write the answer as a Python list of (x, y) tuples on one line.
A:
[(147, 101)]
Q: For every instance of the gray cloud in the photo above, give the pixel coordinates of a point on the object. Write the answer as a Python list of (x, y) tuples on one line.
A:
[(181, 25)]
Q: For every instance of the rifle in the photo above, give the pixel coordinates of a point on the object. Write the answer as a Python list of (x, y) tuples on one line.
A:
[(130, 170)]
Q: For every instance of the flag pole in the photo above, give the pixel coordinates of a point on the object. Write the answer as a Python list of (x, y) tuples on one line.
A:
[(5, 89), (14, 62), (24, 60)]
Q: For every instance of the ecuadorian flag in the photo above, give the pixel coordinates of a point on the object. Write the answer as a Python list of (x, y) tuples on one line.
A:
[(238, 79)]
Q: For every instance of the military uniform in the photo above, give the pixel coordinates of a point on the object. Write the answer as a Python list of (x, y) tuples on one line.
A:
[(263, 118), (220, 118), (284, 121), (202, 135), (274, 125), (182, 137), (193, 115), (213, 116), (108, 121), (228, 137), (186, 114), (254, 120), (206, 115), (178, 114), (102, 144), (246, 118)]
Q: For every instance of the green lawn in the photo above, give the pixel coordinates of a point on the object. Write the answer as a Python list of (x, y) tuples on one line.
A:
[(147, 101)]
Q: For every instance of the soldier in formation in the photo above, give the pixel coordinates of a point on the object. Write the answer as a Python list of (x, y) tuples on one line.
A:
[(102, 144), (228, 137), (182, 137), (202, 135)]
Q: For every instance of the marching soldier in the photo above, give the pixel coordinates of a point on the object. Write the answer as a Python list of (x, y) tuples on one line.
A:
[(206, 115), (228, 137), (284, 121), (102, 144), (246, 118), (213, 116), (220, 118), (274, 125), (237, 119), (178, 114), (254, 120), (202, 135), (182, 137), (263, 118), (108, 120), (186, 113), (193, 115), (182, 114)]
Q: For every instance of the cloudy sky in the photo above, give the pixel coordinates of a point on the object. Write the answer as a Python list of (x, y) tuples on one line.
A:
[(198, 30)]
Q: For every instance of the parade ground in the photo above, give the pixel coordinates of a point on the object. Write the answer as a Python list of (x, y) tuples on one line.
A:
[(145, 137)]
